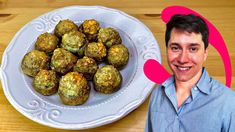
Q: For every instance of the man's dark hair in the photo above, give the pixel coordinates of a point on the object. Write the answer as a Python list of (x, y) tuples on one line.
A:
[(189, 23)]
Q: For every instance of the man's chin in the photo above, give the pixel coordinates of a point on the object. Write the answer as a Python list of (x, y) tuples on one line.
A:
[(182, 79)]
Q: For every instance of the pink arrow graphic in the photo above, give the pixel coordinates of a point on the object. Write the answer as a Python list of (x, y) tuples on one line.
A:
[(152, 67)]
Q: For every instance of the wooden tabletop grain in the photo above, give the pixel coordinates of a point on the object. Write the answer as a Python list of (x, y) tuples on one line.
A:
[(16, 13)]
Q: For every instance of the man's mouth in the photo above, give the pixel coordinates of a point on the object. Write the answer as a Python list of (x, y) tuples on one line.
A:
[(183, 68)]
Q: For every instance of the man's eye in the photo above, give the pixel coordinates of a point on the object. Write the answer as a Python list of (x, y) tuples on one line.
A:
[(175, 48), (193, 49)]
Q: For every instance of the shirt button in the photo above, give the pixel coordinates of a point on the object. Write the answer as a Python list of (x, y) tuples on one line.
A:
[(195, 88)]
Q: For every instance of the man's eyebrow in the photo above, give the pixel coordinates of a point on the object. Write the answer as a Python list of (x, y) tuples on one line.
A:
[(173, 44), (194, 44)]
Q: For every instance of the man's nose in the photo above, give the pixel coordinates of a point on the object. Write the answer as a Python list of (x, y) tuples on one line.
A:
[(183, 57)]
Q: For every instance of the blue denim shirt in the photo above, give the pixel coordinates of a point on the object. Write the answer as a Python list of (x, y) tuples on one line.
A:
[(210, 108)]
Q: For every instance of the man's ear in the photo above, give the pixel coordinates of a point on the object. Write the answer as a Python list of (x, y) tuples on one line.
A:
[(206, 53)]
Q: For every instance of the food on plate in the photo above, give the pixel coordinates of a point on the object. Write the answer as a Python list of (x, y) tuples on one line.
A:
[(73, 41), (96, 51), (64, 26), (34, 61), (118, 55), (73, 89), (46, 82), (62, 61), (107, 79), (46, 42), (109, 37), (87, 66), (90, 28), (56, 68)]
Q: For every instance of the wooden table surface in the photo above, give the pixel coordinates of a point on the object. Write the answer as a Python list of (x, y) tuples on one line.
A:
[(16, 13)]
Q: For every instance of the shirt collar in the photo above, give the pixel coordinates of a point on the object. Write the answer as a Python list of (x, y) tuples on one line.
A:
[(203, 84), (168, 82)]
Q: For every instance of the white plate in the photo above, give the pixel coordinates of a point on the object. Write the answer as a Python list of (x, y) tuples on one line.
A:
[(99, 109)]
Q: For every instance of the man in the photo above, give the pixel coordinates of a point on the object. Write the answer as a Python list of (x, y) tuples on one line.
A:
[(190, 100)]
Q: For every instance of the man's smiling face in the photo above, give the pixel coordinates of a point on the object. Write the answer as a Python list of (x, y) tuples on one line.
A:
[(186, 54)]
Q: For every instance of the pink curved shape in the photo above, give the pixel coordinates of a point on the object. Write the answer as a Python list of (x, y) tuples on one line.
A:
[(215, 39), (155, 71)]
